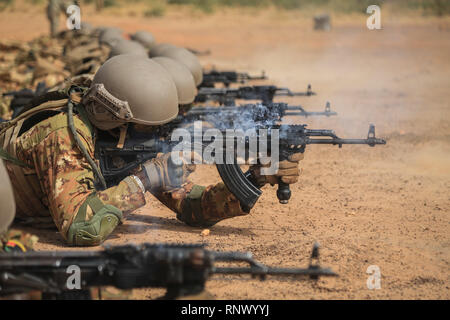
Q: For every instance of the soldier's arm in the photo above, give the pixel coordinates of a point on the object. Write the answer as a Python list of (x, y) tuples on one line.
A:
[(205, 206), (201, 206), (82, 215)]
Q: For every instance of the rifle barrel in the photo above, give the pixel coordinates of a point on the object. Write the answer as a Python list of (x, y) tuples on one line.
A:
[(232, 256), (276, 271), (311, 113), (307, 93), (338, 141)]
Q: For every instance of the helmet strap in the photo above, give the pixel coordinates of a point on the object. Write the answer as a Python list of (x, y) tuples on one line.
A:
[(122, 136)]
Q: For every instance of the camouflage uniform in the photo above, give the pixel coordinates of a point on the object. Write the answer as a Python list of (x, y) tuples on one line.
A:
[(199, 206), (84, 56), (60, 180), (24, 65)]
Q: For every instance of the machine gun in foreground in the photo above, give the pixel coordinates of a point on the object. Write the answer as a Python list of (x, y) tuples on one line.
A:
[(181, 269)]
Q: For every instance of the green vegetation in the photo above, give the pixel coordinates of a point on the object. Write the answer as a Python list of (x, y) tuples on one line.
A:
[(110, 3), (106, 3), (36, 1), (335, 5), (155, 11), (433, 7), (5, 3), (437, 7), (157, 8)]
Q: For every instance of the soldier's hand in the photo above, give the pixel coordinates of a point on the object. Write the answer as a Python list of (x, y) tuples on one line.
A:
[(168, 171), (288, 171)]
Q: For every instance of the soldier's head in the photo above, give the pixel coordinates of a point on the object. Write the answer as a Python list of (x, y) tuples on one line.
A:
[(184, 81), (144, 37), (131, 89), (8, 205), (183, 56), (128, 47)]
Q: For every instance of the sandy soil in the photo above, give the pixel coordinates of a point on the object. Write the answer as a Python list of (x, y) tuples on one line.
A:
[(386, 206)]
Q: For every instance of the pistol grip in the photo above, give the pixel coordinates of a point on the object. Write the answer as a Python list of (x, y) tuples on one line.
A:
[(283, 192)]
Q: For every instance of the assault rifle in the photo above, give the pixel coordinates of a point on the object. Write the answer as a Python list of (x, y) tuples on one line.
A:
[(226, 117), (266, 94), (117, 163), (227, 77), (181, 269)]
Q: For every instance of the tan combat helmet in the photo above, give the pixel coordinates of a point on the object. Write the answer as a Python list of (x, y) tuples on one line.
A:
[(128, 47), (131, 88), (184, 81), (188, 59), (112, 29), (86, 28), (110, 36), (145, 38), (7, 203), (159, 49)]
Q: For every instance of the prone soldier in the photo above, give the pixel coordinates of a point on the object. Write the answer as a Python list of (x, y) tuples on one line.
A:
[(51, 162)]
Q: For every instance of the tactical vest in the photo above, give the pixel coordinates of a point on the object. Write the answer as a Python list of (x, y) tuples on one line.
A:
[(30, 200)]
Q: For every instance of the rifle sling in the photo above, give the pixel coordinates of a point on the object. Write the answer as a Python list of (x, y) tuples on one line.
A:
[(7, 157)]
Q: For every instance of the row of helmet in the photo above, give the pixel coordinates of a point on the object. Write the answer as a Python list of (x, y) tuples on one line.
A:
[(144, 80), (143, 43)]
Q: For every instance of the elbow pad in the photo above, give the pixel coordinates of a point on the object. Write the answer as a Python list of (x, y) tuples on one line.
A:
[(192, 208), (191, 212), (95, 230)]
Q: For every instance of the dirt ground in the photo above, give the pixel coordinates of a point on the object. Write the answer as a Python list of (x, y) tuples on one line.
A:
[(387, 206)]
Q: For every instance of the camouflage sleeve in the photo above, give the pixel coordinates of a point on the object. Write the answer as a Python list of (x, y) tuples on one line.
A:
[(202, 206), (65, 176)]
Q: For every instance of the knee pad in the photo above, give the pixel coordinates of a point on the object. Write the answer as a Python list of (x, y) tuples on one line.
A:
[(95, 230)]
